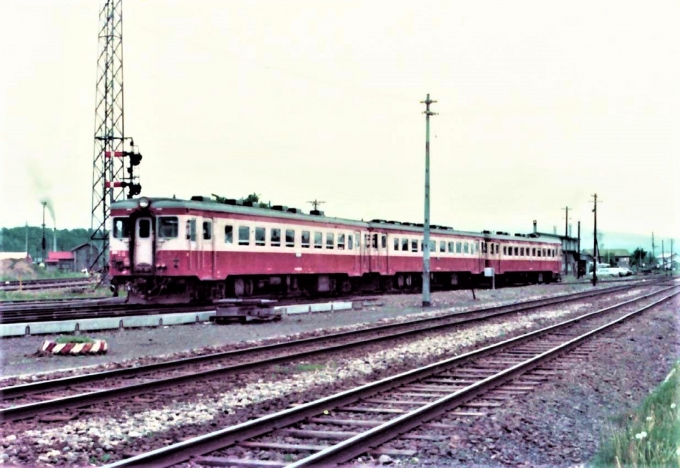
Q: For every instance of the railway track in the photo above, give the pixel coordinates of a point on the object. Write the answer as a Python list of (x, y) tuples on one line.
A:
[(338, 428), (50, 396), (89, 308), (59, 283)]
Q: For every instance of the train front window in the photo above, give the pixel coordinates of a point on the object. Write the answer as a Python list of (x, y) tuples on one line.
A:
[(121, 228), (144, 228), (168, 227)]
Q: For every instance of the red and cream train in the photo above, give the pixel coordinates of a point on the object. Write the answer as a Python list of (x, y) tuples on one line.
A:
[(175, 250)]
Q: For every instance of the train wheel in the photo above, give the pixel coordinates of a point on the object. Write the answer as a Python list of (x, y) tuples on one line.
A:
[(346, 286), (248, 287), (400, 281), (409, 281)]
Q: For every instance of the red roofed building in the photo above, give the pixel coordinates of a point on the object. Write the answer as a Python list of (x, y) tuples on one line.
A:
[(59, 261)]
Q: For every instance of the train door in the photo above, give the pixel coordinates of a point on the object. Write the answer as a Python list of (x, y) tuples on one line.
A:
[(363, 246), (207, 249), (143, 243), (496, 257), (379, 253), (192, 243)]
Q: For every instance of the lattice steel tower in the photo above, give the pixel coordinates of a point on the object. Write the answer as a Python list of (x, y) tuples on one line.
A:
[(108, 176)]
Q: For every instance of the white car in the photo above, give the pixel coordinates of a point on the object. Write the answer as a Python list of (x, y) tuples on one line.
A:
[(612, 271)]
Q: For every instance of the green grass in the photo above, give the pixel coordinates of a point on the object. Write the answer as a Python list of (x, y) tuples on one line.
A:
[(75, 339), (36, 294), (650, 435)]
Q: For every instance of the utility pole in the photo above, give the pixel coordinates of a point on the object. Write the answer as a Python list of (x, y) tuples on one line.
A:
[(566, 222), (44, 243), (426, 240), (663, 260), (26, 240), (578, 249), (595, 258), (316, 203)]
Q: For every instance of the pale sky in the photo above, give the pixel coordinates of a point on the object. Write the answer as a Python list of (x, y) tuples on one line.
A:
[(541, 104)]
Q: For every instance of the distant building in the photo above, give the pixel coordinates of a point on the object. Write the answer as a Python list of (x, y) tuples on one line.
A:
[(62, 261), (16, 256), (84, 255), (618, 257), (667, 261)]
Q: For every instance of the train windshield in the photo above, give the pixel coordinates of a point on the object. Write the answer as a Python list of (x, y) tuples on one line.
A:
[(121, 228), (168, 227)]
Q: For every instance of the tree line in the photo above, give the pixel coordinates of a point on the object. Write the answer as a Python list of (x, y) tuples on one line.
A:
[(14, 239)]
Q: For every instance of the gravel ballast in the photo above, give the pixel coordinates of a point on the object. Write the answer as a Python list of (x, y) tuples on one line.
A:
[(72, 442)]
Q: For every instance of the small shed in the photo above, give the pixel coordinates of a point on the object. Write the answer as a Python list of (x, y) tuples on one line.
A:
[(62, 261), (84, 255)]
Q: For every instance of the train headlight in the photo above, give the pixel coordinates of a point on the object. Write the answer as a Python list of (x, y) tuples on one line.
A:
[(143, 202)]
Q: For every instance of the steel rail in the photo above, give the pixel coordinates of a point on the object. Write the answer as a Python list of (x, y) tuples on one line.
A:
[(29, 410), (355, 446), (183, 451)]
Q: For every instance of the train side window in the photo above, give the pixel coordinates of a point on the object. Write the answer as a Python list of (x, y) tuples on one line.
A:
[(414, 246), (451, 247), (228, 234), (375, 241), (396, 243), (404, 245), (144, 228), (305, 239), (121, 228), (330, 241), (383, 241), (168, 227), (207, 230), (533, 252), (421, 246), (516, 252), (538, 253), (466, 248), (243, 235), (433, 246), (275, 237), (521, 251), (290, 238), (545, 254), (442, 246), (318, 240), (350, 242), (341, 242), (191, 229), (505, 250), (260, 236), (459, 247)]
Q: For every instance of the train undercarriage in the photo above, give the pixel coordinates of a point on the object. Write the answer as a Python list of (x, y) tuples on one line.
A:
[(184, 290)]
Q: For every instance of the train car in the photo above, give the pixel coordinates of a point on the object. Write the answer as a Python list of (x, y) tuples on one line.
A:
[(171, 250)]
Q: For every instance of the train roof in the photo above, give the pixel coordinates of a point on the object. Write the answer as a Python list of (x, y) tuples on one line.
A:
[(278, 211)]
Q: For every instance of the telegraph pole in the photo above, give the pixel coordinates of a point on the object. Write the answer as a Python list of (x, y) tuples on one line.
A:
[(595, 241), (578, 249), (44, 243), (566, 222), (663, 261), (426, 240)]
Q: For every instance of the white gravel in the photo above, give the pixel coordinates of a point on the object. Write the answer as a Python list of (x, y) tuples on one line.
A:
[(113, 430)]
